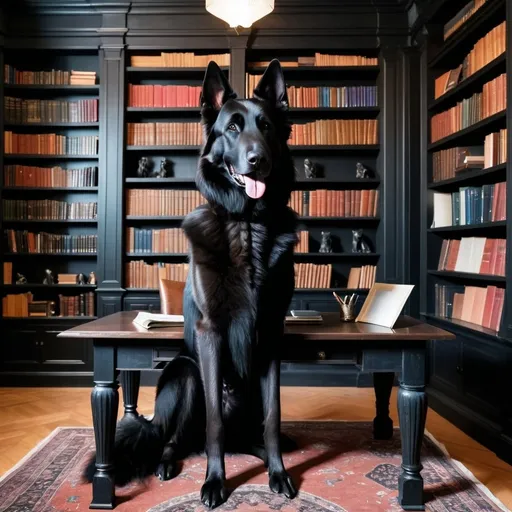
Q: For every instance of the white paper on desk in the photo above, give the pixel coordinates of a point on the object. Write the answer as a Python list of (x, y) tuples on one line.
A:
[(384, 304)]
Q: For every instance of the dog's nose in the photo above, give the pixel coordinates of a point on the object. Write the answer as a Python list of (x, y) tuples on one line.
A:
[(254, 159)]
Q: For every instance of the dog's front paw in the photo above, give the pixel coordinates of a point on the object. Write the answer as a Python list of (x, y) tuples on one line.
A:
[(214, 493), (166, 470), (281, 482)]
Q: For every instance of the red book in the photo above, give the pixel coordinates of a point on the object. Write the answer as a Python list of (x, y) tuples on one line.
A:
[(489, 301), (158, 96), (173, 98), (497, 309), (453, 253), (485, 267)]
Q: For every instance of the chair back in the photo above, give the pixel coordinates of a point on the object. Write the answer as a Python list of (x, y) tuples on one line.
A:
[(171, 297)]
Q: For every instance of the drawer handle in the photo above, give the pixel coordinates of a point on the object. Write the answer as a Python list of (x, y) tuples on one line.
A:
[(321, 355)]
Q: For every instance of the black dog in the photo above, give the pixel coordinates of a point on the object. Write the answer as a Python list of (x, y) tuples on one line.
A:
[(222, 393)]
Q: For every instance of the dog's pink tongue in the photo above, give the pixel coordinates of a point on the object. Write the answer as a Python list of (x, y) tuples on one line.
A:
[(253, 188)]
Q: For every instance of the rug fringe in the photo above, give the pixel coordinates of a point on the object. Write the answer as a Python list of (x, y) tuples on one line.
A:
[(466, 472)]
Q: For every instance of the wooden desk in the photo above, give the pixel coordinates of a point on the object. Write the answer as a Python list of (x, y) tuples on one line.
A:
[(120, 345)]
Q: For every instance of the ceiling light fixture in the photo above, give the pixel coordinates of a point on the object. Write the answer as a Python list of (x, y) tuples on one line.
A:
[(240, 13)]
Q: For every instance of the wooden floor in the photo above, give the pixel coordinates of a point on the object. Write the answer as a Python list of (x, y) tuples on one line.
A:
[(28, 415)]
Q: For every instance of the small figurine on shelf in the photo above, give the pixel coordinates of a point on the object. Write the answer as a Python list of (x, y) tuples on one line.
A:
[(359, 245), (143, 170), (361, 171), (163, 172), (20, 279), (92, 278), (326, 244), (81, 279), (48, 277), (309, 169)]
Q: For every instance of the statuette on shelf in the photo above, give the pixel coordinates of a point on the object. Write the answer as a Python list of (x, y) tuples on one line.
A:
[(361, 171), (21, 279), (81, 279), (143, 169), (310, 170), (48, 279), (359, 245), (326, 243)]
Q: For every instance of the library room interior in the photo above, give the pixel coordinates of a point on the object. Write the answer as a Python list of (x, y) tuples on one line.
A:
[(255, 255)]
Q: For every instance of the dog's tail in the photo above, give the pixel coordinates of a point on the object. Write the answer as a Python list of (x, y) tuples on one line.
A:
[(138, 449)]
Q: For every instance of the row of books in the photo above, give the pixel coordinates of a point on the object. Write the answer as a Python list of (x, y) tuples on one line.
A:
[(473, 304), (49, 144), (48, 209), (303, 242), (49, 243), (164, 134), (178, 60), (490, 101), (475, 255), (140, 274), (53, 77), (309, 275), (488, 48), (160, 96), (155, 202), (333, 97), (18, 110), (335, 132), (335, 203), (77, 305), (362, 277), (471, 205), (448, 163), (156, 241), (462, 17), (49, 177)]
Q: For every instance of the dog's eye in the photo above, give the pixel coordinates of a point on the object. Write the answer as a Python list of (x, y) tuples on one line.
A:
[(265, 125), (232, 127)]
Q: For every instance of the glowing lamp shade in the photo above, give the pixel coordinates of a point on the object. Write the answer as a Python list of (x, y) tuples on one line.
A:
[(240, 13)]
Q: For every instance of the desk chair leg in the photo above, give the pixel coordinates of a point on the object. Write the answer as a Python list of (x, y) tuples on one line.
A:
[(412, 411), (104, 402), (382, 423), (130, 383)]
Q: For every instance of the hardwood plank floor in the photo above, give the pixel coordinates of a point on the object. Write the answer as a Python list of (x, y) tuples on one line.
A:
[(28, 415)]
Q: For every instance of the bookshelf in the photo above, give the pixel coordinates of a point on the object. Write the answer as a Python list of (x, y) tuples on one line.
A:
[(462, 374), (54, 193)]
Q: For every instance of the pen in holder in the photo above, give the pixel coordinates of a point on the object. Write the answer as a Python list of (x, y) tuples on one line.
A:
[(347, 306)]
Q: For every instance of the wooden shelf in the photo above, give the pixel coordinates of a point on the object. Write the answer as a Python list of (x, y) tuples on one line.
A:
[(160, 218), (465, 34), (164, 148), (461, 327), (364, 183), (335, 112), (51, 189), (469, 176), (51, 255), (472, 227), (48, 318), (340, 219), (301, 290), (51, 125), (361, 148), (470, 85), (467, 276), (157, 181), (11, 156), (335, 72), (54, 88), (157, 255), (477, 130), (52, 221), (164, 110), (39, 286), (199, 71), (335, 255)]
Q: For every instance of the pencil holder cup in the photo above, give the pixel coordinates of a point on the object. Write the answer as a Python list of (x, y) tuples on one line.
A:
[(347, 307), (347, 312)]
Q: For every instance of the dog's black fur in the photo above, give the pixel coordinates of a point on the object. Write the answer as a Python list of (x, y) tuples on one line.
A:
[(222, 393)]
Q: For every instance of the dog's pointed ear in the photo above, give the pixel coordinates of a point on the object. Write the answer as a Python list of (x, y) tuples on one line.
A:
[(272, 87), (216, 89)]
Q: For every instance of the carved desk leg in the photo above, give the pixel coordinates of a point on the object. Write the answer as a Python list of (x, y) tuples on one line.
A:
[(104, 402), (412, 411), (383, 424), (130, 383)]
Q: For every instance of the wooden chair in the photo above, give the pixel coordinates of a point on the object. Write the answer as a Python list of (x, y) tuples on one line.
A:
[(171, 297)]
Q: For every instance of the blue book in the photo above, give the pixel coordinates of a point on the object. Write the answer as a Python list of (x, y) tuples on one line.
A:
[(456, 208)]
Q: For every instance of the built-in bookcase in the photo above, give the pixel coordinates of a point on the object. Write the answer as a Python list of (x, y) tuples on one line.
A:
[(44, 179), (467, 375)]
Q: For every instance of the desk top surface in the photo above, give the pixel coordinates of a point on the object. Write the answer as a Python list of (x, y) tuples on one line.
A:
[(119, 325)]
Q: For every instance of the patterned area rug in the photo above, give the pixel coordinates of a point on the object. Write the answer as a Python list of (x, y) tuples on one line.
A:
[(338, 466)]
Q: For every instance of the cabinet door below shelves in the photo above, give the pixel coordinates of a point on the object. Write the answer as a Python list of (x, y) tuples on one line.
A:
[(21, 350), (142, 304), (446, 365), (62, 354)]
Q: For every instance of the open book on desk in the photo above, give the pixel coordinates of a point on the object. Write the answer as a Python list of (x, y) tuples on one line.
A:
[(152, 320)]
